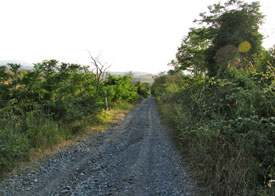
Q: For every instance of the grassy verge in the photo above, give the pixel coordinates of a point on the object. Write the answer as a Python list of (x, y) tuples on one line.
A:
[(225, 127), (222, 162), (43, 138)]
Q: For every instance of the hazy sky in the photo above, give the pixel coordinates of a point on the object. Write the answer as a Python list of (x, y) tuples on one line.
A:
[(130, 35)]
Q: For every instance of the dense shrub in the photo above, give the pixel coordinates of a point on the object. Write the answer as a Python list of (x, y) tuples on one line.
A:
[(118, 88), (39, 108), (226, 127), (220, 97), (143, 89)]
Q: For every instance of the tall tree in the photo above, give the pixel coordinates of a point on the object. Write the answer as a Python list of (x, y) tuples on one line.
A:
[(227, 33), (235, 27), (190, 55)]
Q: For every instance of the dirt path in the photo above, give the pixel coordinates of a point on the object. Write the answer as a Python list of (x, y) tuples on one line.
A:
[(134, 157)]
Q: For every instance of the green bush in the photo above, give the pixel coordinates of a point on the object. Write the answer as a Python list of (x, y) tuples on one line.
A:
[(51, 103), (143, 89), (226, 127), (220, 98), (120, 88), (14, 145)]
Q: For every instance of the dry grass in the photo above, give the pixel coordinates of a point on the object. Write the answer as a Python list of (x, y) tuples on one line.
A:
[(39, 156)]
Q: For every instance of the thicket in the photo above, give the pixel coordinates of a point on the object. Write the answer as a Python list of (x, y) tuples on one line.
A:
[(143, 89), (51, 103), (220, 99)]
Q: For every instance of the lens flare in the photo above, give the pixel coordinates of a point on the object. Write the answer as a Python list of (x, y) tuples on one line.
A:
[(226, 53), (244, 47)]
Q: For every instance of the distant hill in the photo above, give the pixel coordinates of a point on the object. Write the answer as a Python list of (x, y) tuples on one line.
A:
[(136, 76), (144, 78), (24, 65), (136, 73)]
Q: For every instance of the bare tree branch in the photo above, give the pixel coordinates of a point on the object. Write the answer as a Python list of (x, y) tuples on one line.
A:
[(99, 68)]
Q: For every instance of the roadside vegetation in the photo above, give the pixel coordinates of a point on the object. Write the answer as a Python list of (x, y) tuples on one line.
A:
[(55, 102), (220, 99)]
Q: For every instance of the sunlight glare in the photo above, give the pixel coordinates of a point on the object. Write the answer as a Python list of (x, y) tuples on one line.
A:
[(244, 47)]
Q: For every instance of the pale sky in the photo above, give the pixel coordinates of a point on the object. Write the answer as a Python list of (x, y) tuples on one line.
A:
[(130, 35)]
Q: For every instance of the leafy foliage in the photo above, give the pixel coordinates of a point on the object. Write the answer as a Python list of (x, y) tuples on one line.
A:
[(120, 88), (226, 126), (220, 98), (39, 108), (210, 48), (143, 89)]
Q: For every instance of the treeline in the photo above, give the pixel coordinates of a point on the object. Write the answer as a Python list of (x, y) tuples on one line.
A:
[(52, 103), (220, 99)]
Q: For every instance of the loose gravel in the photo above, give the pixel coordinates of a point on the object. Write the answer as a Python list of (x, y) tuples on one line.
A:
[(133, 157)]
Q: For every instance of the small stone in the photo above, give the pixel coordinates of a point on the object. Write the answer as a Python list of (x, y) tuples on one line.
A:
[(68, 187), (65, 191)]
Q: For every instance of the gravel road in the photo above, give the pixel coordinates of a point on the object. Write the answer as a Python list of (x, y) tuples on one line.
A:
[(132, 157)]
